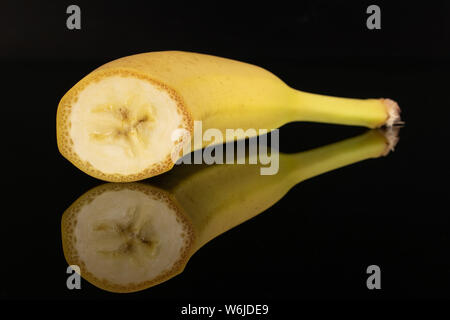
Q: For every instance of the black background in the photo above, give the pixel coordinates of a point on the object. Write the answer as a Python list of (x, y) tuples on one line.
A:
[(315, 243)]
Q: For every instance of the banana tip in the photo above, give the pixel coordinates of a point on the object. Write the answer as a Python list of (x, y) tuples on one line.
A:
[(392, 137), (393, 111)]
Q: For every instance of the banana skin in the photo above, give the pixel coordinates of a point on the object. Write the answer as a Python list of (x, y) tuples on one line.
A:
[(116, 123), (116, 250)]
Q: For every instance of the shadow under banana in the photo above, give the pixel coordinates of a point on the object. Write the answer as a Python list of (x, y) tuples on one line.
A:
[(131, 236)]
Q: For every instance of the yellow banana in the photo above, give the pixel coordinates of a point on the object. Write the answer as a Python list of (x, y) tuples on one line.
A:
[(117, 123), (128, 237)]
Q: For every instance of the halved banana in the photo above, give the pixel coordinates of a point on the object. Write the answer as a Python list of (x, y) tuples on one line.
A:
[(126, 237), (119, 126)]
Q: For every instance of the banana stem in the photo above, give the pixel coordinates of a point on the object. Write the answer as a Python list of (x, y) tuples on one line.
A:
[(218, 198), (371, 113), (308, 164)]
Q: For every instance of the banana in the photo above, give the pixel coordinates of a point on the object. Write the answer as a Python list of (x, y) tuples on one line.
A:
[(126, 237), (117, 123)]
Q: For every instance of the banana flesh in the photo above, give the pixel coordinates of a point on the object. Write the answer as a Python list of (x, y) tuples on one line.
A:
[(126, 236), (113, 125)]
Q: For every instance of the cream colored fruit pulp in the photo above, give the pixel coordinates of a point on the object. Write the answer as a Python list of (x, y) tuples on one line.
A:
[(100, 240), (123, 144)]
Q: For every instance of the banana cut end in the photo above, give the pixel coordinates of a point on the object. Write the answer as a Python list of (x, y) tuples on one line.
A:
[(126, 237), (118, 125), (393, 111), (392, 136)]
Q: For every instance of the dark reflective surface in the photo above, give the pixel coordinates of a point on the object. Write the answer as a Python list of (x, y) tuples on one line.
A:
[(318, 240), (127, 237)]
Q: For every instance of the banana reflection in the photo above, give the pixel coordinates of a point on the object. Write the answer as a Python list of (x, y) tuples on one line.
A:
[(128, 237)]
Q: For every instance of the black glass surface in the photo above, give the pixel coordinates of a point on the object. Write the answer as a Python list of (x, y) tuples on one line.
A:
[(318, 240)]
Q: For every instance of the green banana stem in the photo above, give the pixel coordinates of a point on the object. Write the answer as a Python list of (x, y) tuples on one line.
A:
[(371, 113), (308, 164)]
